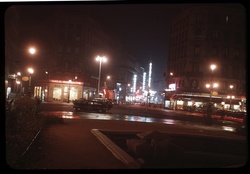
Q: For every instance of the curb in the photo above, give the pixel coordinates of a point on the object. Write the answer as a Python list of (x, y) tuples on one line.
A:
[(116, 150)]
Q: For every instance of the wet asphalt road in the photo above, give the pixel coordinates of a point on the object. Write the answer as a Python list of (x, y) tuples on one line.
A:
[(137, 113)]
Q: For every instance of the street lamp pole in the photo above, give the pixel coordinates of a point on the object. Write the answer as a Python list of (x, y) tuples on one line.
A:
[(230, 97), (172, 74), (69, 90), (175, 88), (32, 51), (17, 83), (106, 87), (231, 87), (99, 77), (126, 92), (210, 86), (211, 89), (31, 71), (100, 59)]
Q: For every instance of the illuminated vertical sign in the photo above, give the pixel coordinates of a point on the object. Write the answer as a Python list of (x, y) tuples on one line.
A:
[(149, 74), (134, 82), (144, 81)]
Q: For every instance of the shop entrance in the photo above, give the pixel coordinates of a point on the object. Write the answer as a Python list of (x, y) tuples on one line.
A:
[(57, 93)]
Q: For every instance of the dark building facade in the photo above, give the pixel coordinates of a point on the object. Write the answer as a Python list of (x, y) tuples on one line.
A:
[(201, 36), (69, 44), (12, 59)]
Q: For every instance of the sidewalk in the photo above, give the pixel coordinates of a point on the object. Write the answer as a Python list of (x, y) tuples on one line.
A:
[(73, 145)]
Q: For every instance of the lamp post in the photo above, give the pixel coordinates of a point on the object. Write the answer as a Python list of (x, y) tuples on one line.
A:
[(47, 73), (231, 97), (106, 82), (32, 51), (100, 59), (126, 92), (172, 74), (18, 83), (106, 87), (210, 86), (69, 90), (212, 67), (31, 71), (174, 89)]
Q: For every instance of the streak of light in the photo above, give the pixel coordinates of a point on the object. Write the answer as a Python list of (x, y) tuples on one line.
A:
[(70, 117), (227, 128)]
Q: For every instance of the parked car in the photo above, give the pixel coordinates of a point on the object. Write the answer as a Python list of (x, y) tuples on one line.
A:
[(91, 105), (231, 113), (108, 102)]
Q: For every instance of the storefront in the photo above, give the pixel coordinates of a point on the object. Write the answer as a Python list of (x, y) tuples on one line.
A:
[(59, 90), (185, 102)]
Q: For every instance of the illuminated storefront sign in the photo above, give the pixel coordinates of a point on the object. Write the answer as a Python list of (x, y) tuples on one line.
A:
[(66, 82)]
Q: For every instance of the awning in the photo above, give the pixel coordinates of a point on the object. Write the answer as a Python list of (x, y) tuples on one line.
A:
[(198, 98), (233, 102)]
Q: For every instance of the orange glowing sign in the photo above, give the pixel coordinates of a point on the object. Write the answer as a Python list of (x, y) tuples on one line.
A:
[(66, 82)]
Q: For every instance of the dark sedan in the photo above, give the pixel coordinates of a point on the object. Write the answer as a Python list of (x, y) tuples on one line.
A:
[(91, 105)]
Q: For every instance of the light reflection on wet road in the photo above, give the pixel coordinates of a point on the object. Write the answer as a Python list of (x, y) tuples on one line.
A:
[(108, 116)]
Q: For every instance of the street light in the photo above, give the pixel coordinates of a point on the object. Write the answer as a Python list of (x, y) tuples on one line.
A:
[(100, 59), (106, 82), (69, 90), (106, 86), (32, 50), (46, 72), (174, 89), (231, 97), (18, 83), (212, 67), (215, 85), (127, 92), (31, 71)]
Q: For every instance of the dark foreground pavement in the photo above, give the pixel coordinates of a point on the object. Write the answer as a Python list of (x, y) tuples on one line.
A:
[(73, 145)]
